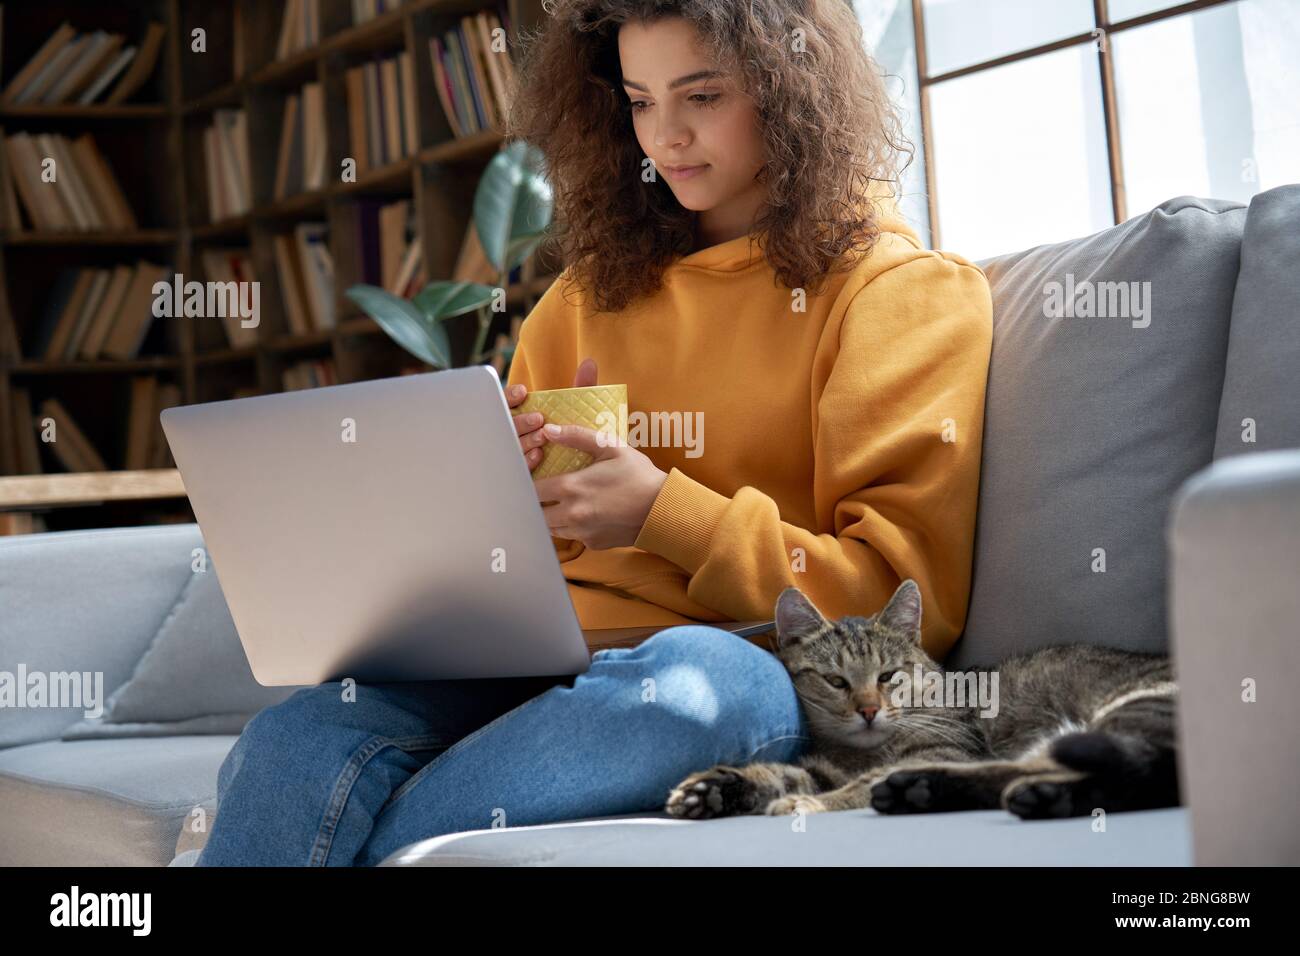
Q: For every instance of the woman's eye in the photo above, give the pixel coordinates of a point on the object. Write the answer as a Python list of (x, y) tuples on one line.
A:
[(704, 99)]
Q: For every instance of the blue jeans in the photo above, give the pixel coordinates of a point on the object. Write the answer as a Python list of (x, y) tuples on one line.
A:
[(318, 780)]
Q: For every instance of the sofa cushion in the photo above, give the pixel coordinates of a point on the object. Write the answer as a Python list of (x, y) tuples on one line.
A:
[(193, 679), (1262, 380), (1092, 423), (105, 802), (841, 838), (85, 602)]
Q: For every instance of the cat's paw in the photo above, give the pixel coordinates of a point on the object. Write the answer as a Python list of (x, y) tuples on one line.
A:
[(799, 803), (908, 791), (1041, 798), (718, 792)]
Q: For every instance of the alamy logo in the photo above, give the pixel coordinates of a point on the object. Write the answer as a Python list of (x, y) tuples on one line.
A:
[(57, 689), (653, 430), (1100, 300), (102, 909), (946, 689), (198, 300)]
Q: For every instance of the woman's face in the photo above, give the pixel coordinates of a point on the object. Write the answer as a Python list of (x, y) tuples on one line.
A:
[(688, 114)]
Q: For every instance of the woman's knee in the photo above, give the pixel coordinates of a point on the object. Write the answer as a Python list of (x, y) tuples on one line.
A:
[(749, 684)]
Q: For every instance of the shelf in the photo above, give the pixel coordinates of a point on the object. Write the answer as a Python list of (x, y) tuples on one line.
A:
[(220, 356), (390, 178), (294, 343), (473, 146), (138, 237), (294, 207), (73, 111), (161, 166), (144, 363), (89, 487), (226, 229), (232, 94)]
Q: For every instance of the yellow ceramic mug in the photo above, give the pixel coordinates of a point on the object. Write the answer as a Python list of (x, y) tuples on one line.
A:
[(593, 406)]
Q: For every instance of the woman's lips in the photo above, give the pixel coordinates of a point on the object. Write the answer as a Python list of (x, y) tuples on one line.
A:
[(685, 172)]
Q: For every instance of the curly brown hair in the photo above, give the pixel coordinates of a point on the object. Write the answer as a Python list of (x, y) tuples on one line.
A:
[(829, 130)]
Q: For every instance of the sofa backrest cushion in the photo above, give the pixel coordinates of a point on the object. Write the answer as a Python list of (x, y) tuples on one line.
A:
[(1260, 410), (1103, 396), (193, 679), (84, 602)]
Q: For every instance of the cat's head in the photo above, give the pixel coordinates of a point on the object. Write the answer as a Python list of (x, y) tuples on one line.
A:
[(844, 670)]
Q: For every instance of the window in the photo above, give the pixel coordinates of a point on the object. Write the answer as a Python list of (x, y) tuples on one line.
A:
[(1050, 120)]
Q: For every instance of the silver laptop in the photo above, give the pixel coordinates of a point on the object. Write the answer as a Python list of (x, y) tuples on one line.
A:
[(383, 530)]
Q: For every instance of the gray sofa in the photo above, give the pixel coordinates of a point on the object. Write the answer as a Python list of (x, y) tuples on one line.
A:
[(1140, 487)]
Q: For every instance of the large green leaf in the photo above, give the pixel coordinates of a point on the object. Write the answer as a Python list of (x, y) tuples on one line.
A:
[(512, 206), (444, 300), (423, 337)]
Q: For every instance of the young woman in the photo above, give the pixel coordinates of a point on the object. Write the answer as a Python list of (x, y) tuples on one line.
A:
[(723, 172)]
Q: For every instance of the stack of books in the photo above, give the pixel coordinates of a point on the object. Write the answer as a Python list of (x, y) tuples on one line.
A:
[(232, 265), (146, 445), (300, 28), (65, 185), (306, 272), (382, 111), (472, 78), (72, 67), (309, 374), (391, 253), (225, 155), (97, 313), (301, 163)]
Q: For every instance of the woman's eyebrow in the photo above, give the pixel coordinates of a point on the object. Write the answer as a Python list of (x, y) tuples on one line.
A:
[(680, 81)]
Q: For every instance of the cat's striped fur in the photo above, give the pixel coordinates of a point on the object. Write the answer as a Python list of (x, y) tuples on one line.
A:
[(1078, 728)]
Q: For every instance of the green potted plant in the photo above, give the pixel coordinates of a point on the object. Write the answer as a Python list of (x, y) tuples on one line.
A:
[(512, 210)]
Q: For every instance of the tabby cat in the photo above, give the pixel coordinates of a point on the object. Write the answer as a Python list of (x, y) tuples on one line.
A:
[(1076, 727)]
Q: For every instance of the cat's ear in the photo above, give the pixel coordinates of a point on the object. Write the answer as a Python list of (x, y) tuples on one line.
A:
[(797, 618), (903, 612)]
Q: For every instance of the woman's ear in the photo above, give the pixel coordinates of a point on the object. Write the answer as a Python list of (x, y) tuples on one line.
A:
[(797, 619)]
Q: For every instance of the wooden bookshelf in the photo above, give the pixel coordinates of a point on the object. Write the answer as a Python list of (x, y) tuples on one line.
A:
[(154, 143)]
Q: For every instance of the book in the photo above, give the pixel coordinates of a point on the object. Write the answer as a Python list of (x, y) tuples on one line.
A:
[(23, 78), (70, 445), (224, 265), (142, 66), (88, 311), (107, 312), (133, 319), (167, 395), (288, 166), (140, 421), (293, 290), (110, 72), (68, 317), (317, 271), (27, 454)]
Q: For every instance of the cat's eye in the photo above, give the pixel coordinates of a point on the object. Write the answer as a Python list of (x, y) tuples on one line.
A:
[(887, 676), (838, 682)]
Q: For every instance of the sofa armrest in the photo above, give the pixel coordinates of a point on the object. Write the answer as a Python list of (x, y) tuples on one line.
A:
[(1234, 594), (86, 602)]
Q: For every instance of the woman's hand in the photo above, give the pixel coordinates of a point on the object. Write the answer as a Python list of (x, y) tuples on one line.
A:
[(528, 427), (605, 504)]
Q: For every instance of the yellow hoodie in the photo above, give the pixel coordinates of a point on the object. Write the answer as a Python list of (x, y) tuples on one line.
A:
[(836, 449)]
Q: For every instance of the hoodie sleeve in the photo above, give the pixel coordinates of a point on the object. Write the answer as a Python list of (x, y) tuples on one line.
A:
[(536, 371), (897, 430)]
